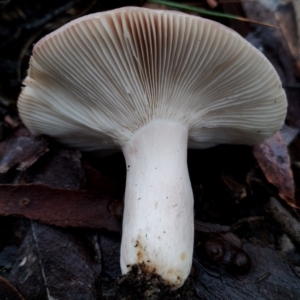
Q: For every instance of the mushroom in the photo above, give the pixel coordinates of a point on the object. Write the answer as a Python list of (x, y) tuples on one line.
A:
[(152, 83)]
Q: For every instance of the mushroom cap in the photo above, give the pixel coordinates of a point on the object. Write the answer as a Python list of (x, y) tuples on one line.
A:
[(97, 80)]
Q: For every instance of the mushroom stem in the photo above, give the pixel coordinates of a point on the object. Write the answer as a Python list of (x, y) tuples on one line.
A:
[(158, 220)]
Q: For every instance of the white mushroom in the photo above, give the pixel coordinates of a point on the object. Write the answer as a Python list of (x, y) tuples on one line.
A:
[(152, 83)]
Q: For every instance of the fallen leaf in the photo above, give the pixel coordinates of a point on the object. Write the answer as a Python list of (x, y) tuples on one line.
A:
[(56, 199), (297, 13), (110, 249), (285, 15), (58, 168), (56, 264), (60, 207), (273, 159), (21, 150), (8, 291)]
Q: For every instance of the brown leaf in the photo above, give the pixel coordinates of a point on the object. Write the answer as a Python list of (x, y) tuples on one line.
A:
[(297, 13), (60, 207), (21, 149), (8, 291), (273, 159), (285, 15), (57, 264)]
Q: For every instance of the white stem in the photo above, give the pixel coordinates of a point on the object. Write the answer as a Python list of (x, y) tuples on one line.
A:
[(158, 221)]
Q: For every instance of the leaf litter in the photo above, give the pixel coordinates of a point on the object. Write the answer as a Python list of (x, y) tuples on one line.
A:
[(21, 150), (273, 159)]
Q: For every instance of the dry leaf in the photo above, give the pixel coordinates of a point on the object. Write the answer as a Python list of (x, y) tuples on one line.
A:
[(62, 204), (296, 4), (58, 168), (60, 207), (285, 15), (56, 264), (273, 159), (21, 150)]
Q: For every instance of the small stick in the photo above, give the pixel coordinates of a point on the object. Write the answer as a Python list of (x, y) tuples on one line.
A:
[(289, 224)]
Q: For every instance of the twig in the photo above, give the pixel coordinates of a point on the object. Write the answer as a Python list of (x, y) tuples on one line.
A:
[(289, 224)]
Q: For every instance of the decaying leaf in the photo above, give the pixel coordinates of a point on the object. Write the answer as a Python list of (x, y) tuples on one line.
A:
[(110, 246), (297, 13), (60, 207), (58, 168), (54, 196), (56, 264), (273, 159), (21, 150), (288, 16)]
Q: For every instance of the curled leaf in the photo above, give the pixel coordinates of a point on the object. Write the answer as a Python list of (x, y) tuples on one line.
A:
[(273, 159)]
